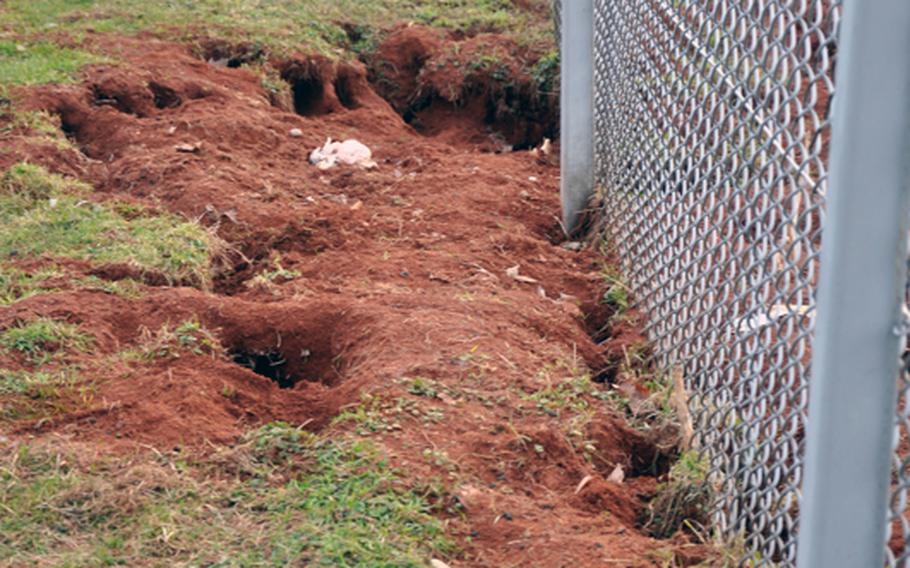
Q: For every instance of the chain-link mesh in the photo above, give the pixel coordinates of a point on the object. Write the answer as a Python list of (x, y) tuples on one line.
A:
[(711, 146)]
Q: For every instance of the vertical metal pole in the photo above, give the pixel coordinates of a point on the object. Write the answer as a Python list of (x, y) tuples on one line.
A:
[(576, 109), (855, 357)]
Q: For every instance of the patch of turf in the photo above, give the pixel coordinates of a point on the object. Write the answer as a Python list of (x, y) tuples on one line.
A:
[(282, 26), (37, 126), (339, 504), (39, 394), (17, 285), (43, 338), (170, 341), (41, 62), (42, 214)]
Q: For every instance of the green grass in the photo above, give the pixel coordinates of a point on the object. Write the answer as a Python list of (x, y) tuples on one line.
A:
[(43, 214), (616, 294), (39, 394), (282, 497), (41, 62), (172, 341), (684, 501), (39, 127), (34, 384), (43, 338), (280, 25), (17, 285)]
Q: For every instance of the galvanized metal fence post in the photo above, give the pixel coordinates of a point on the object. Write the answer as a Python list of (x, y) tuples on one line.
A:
[(576, 112), (863, 263)]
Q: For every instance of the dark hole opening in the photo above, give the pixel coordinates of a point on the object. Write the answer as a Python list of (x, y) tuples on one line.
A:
[(165, 97), (100, 97), (307, 96), (269, 363), (345, 92)]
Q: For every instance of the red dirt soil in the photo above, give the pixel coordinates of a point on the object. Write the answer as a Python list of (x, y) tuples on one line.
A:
[(403, 273)]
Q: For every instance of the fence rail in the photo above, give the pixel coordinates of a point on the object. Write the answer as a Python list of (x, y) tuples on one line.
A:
[(714, 155)]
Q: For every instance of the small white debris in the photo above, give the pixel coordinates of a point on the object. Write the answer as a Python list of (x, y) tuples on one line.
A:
[(172, 130), (574, 246), (188, 148), (513, 273), (776, 312), (436, 563), (617, 475), (581, 484), (295, 133), (545, 147), (52, 202), (532, 178), (350, 152)]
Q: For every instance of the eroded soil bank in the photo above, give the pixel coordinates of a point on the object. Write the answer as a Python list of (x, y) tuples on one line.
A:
[(430, 304)]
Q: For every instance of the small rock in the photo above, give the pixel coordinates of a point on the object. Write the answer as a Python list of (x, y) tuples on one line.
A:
[(295, 133)]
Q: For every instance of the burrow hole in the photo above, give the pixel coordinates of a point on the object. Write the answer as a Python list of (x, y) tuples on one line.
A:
[(269, 363), (308, 96), (165, 97), (344, 89)]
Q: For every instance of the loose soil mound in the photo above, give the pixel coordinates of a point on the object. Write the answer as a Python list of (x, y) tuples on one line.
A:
[(426, 303)]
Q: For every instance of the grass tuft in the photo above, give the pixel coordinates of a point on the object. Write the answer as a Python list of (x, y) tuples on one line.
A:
[(169, 342), (43, 214), (44, 338), (17, 285), (42, 62), (342, 506), (684, 501), (39, 394)]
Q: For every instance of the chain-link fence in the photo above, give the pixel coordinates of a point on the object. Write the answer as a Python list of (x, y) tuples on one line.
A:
[(711, 150), (711, 145)]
